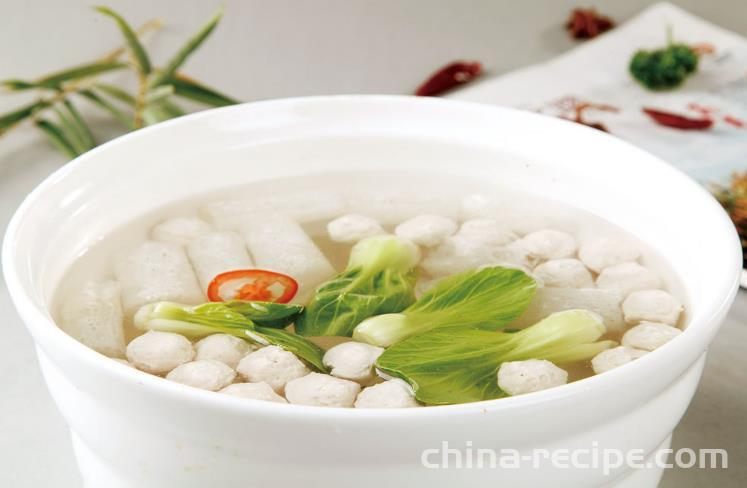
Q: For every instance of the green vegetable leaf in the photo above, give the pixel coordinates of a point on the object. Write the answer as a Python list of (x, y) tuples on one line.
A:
[(489, 298), (108, 107), (192, 321), (133, 43), (379, 279), (451, 366), (300, 346), (268, 314), (192, 44), (12, 118), (57, 137), (218, 317), (198, 92)]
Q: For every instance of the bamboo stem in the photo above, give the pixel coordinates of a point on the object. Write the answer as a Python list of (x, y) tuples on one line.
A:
[(150, 26)]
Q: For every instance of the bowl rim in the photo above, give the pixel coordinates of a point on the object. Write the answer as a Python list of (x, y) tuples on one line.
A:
[(39, 322)]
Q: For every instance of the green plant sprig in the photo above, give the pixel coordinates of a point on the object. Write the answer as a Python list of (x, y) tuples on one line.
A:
[(152, 102), (665, 68)]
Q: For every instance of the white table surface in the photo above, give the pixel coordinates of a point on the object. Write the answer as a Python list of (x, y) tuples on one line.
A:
[(284, 48)]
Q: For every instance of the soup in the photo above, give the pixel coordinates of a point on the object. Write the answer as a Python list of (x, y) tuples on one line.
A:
[(401, 290)]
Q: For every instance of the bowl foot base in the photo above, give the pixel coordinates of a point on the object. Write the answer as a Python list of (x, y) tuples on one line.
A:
[(644, 478), (95, 472)]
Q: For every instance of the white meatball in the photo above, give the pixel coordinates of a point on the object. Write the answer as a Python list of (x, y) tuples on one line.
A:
[(627, 278), (273, 365), (180, 230), (426, 230), (322, 390), (519, 377), (515, 254), (615, 357), (394, 393), (353, 361), (487, 231), (550, 300), (454, 255), (253, 391), (518, 219), (224, 348), (604, 252), (353, 228), (123, 361), (463, 252), (477, 205), (649, 335), (651, 306), (159, 352), (549, 244), (564, 273), (206, 374)]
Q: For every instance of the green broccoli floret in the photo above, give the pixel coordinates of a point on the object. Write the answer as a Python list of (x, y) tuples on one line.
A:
[(666, 68)]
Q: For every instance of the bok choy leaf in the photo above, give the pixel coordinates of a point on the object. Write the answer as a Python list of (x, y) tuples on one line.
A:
[(268, 314), (489, 298), (239, 319), (379, 279), (460, 365)]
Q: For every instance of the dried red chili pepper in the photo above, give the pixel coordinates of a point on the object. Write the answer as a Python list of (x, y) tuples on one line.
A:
[(712, 113), (585, 23), (573, 109), (731, 120), (701, 109), (677, 121), (703, 48), (581, 107), (448, 77)]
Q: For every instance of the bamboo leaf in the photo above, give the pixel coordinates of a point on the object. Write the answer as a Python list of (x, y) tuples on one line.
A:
[(81, 127), (17, 85), (192, 44), (83, 71), (54, 80), (160, 111), (116, 93), (184, 87), (68, 129), (12, 118), (155, 113), (158, 93), (57, 137), (105, 105), (135, 47), (171, 108)]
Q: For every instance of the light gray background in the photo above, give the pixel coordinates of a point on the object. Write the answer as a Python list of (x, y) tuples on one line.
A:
[(269, 49)]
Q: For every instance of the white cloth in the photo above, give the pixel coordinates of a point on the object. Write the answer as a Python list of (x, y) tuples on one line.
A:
[(597, 71)]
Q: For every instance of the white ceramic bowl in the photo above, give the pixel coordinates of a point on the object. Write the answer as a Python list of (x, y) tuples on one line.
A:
[(135, 430)]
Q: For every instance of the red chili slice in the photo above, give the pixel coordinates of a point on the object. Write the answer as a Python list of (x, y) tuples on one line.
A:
[(252, 284), (731, 120), (678, 121)]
